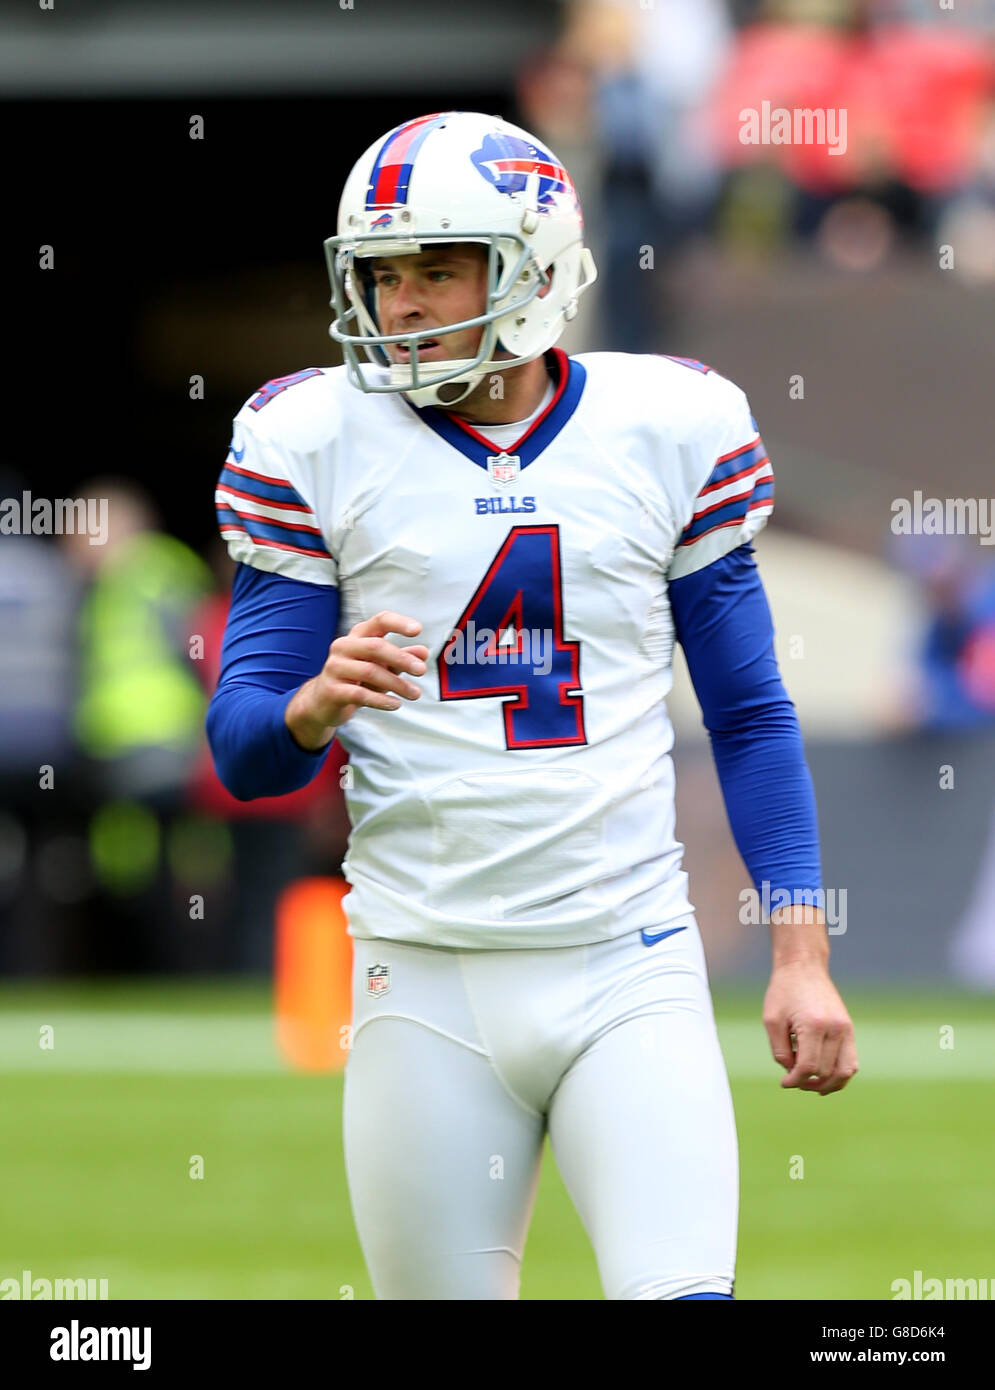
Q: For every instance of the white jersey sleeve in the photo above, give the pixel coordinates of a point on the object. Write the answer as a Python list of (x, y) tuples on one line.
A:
[(265, 513), (731, 482)]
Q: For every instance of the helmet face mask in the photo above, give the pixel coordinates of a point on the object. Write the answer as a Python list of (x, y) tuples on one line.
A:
[(473, 178), (510, 262)]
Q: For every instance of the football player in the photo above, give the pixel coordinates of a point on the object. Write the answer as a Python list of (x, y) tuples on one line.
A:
[(468, 558)]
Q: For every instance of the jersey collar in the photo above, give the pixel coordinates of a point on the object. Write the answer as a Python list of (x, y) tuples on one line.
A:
[(569, 377)]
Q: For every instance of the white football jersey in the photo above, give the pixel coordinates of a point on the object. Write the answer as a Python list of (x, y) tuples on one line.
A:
[(527, 798)]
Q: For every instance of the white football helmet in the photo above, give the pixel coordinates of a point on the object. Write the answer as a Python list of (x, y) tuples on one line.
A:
[(459, 176)]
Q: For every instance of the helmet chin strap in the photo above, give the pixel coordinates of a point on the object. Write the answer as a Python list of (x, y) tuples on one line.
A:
[(442, 393), (447, 393)]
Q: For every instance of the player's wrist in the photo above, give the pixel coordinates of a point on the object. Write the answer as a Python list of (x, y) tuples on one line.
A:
[(798, 936), (308, 730)]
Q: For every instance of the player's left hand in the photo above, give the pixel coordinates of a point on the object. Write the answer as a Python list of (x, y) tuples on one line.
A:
[(810, 1031)]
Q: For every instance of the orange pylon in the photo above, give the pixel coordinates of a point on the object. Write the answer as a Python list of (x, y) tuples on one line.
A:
[(313, 973)]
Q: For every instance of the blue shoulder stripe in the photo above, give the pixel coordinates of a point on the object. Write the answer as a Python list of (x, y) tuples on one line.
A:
[(285, 536), (729, 513), (249, 485), (731, 465)]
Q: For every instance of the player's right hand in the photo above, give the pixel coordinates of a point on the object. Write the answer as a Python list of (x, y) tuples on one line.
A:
[(362, 670)]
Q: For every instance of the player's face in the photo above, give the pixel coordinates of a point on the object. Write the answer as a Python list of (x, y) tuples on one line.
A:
[(444, 284)]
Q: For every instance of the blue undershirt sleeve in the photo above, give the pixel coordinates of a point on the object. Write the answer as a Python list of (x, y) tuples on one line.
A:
[(723, 623), (277, 637)]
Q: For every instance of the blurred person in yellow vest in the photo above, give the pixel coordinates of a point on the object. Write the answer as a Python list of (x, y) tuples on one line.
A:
[(138, 726), (140, 703)]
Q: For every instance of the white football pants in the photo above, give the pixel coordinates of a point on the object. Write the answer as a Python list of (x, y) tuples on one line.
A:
[(461, 1063)]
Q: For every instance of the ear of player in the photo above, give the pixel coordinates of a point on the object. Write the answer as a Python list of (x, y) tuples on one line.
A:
[(449, 177)]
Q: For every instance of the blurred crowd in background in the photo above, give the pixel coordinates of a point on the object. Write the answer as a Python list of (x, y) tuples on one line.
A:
[(119, 849), (644, 101)]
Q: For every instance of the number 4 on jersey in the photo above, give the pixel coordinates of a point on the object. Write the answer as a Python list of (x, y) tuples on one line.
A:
[(509, 641)]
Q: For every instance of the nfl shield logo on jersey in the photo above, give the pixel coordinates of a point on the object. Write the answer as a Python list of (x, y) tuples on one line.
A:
[(503, 468), (377, 979)]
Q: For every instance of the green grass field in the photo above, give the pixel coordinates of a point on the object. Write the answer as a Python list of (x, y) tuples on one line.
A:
[(98, 1134)]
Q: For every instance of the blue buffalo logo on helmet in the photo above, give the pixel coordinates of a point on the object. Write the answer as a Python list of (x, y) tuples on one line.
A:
[(507, 161), (384, 220)]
